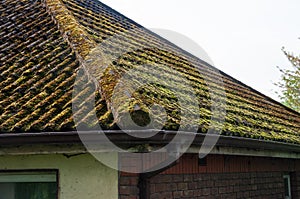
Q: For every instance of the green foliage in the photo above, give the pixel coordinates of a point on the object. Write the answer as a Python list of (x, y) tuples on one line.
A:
[(290, 83)]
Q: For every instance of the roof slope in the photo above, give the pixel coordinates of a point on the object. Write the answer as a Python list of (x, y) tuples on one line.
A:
[(43, 43)]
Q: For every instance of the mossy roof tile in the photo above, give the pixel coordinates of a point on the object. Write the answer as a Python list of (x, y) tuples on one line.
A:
[(43, 44)]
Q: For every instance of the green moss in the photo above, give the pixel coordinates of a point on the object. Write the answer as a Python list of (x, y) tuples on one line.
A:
[(40, 78)]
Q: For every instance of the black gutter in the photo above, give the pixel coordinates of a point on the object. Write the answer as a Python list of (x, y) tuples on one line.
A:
[(120, 137)]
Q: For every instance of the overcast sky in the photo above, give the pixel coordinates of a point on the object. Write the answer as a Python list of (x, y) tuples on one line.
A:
[(243, 38)]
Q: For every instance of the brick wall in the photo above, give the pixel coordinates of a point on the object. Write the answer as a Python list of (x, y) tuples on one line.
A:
[(295, 184), (222, 185), (221, 177), (128, 186)]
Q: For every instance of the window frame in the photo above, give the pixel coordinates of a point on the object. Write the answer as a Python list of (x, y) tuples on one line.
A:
[(288, 177), (35, 171)]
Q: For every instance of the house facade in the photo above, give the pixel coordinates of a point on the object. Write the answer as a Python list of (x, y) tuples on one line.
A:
[(63, 110), (220, 176)]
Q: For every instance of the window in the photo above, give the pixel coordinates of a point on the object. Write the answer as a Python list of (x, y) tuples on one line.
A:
[(28, 185), (287, 187)]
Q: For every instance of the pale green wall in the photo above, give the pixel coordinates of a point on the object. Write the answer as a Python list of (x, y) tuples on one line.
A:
[(80, 177)]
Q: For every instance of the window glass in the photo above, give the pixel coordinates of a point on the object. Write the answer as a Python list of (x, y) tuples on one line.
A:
[(287, 187), (39, 185)]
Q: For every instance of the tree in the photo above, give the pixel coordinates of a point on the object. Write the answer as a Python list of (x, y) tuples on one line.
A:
[(290, 84)]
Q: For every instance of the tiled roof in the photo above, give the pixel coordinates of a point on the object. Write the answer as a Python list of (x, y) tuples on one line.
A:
[(44, 42)]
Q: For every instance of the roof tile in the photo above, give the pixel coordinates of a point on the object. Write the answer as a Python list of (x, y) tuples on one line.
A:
[(43, 44)]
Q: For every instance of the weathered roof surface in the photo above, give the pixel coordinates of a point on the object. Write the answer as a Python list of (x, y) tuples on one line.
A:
[(44, 42)]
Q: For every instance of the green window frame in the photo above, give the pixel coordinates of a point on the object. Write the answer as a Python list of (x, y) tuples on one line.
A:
[(29, 184)]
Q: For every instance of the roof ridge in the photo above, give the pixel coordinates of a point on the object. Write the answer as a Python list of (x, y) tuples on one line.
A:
[(72, 31)]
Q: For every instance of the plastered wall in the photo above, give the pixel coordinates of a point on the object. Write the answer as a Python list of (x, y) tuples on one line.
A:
[(80, 177)]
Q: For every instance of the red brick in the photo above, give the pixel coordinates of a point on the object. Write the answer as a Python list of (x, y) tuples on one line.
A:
[(187, 178), (124, 190), (192, 185), (177, 178), (182, 186), (160, 187), (178, 194), (206, 191), (188, 193)]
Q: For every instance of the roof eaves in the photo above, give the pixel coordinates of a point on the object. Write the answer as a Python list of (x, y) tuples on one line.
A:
[(160, 139)]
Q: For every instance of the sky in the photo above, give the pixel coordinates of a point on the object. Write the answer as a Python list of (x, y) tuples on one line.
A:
[(243, 38)]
